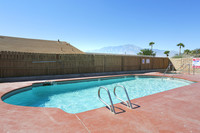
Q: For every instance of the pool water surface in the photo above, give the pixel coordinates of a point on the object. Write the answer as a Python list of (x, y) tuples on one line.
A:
[(82, 95)]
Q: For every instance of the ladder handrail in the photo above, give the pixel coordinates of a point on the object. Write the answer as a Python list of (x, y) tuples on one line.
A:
[(127, 103), (183, 67), (167, 68), (180, 67), (111, 107)]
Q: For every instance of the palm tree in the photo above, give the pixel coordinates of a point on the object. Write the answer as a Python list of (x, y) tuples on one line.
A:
[(167, 53), (187, 51), (151, 44), (180, 45)]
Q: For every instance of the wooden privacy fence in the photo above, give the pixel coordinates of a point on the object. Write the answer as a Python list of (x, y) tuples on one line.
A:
[(16, 64)]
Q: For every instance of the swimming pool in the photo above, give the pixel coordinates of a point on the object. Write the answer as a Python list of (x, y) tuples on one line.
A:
[(82, 95)]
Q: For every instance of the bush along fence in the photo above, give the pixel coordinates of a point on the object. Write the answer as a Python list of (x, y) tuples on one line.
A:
[(17, 64)]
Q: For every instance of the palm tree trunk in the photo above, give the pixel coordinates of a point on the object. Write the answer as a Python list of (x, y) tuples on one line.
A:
[(180, 50)]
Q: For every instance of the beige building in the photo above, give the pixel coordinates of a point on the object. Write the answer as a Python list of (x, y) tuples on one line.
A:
[(36, 46)]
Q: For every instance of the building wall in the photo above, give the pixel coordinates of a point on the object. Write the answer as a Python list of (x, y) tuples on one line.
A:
[(16, 64), (37, 46)]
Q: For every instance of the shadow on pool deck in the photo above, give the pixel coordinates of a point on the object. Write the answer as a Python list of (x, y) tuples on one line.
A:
[(117, 110), (135, 106)]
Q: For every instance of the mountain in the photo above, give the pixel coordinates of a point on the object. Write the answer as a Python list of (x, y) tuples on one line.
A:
[(129, 49)]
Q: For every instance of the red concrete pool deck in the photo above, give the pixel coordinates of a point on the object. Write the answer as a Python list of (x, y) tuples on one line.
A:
[(176, 110)]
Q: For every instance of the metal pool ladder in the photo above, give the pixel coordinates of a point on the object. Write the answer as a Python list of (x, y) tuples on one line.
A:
[(111, 107), (167, 69), (127, 103)]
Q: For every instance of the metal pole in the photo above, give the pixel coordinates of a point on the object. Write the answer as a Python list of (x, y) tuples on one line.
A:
[(193, 70), (189, 69)]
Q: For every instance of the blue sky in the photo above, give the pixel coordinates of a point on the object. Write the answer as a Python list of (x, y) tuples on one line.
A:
[(92, 24)]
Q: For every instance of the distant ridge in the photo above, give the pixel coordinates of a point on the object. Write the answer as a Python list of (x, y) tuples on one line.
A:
[(129, 49), (36, 46)]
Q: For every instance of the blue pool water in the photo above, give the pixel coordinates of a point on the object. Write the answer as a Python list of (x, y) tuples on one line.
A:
[(82, 95)]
